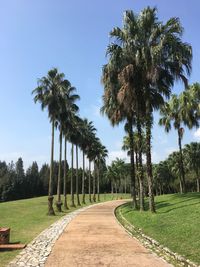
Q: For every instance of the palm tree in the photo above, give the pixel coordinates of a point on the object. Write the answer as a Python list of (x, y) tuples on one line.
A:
[(77, 178), (74, 138), (65, 175), (72, 176), (173, 162), (179, 110), (89, 181), (48, 93), (87, 134), (102, 154), (67, 109), (192, 155)]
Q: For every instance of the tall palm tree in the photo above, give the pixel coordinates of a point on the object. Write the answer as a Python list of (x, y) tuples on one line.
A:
[(77, 178), (89, 182), (102, 154), (67, 109), (65, 175), (146, 58), (75, 138), (72, 177), (87, 134), (48, 93)]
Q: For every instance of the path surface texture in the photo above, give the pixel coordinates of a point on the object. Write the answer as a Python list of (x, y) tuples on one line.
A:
[(94, 238)]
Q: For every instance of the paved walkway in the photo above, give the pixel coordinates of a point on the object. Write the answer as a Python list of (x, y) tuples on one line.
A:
[(94, 238)]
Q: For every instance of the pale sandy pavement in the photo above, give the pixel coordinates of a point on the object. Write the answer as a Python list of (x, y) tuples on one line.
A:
[(94, 238)]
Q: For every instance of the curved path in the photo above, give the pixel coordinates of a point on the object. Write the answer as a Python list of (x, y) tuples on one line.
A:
[(94, 238)]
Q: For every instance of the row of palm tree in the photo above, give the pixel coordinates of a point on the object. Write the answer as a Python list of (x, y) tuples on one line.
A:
[(56, 93), (145, 58)]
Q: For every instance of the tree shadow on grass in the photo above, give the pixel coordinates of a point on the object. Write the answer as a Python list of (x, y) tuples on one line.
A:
[(183, 198), (180, 207)]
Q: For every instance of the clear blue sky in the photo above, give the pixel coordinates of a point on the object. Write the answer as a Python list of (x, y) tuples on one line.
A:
[(37, 35)]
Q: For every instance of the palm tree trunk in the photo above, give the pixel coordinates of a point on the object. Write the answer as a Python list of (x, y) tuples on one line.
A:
[(112, 189), (77, 184), (149, 164), (72, 172), (132, 174), (65, 176), (94, 184), (59, 203), (180, 185), (89, 182), (137, 172), (98, 178), (197, 179), (140, 166), (198, 189), (181, 161), (83, 180), (50, 193)]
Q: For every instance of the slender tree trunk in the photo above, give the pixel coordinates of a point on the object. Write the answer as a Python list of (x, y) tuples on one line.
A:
[(181, 161), (198, 189), (116, 194), (98, 178), (59, 203), (72, 178), (83, 180), (132, 174), (180, 185), (137, 171), (65, 176), (112, 190), (149, 164), (125, 185), (140, 166), (77, 182), (94, 184), (89, 182), (50, 193)]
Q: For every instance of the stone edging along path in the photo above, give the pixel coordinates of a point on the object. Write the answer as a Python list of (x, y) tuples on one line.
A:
[(152, 244), (36, 252)]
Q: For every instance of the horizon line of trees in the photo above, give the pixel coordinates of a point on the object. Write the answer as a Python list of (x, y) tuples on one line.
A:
[(167, 173), (17, 183)]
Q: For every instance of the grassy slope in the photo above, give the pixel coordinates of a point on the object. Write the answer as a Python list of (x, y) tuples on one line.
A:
[(176, 224), (27, 218)]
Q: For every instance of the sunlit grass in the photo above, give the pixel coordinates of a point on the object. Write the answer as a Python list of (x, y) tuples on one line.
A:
[(176, 224)]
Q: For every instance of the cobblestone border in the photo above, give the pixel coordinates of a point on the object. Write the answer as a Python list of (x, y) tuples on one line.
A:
[(151, 244), (36, 252)]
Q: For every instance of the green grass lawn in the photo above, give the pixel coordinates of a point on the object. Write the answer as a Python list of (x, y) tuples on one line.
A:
[(176, 224), (27, 218)]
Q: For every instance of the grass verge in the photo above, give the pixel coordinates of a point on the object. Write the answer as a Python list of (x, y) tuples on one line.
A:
[(27, 218), (175, 225)]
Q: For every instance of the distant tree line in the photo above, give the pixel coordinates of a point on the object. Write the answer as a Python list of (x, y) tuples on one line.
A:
[(167, 174), (16, 183)]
